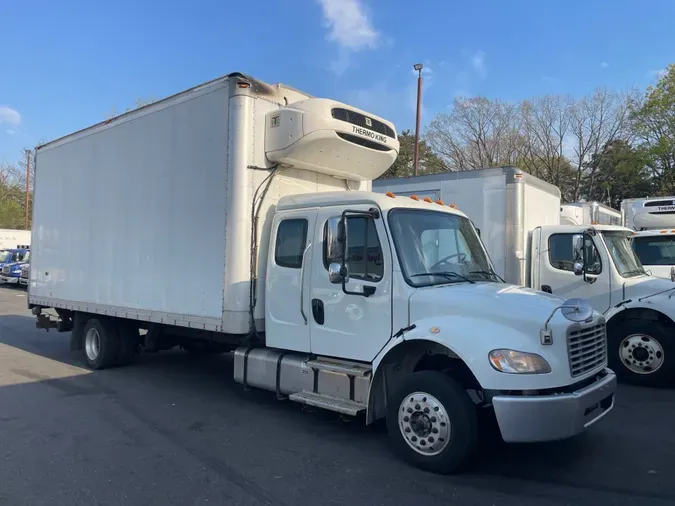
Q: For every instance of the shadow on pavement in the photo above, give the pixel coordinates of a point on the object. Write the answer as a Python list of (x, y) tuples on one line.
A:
[(180, 397)]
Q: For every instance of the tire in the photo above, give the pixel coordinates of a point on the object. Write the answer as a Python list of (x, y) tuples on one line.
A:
[(642, 352), (456, 418), (101, 343)]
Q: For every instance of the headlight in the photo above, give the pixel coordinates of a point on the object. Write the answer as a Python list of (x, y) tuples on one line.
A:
[(517, 362)]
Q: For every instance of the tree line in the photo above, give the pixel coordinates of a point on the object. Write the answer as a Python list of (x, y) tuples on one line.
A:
[(607, 146)]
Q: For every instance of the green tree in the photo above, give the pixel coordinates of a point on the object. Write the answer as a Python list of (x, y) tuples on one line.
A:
[(429, 163), (619, 172), (653, 121)]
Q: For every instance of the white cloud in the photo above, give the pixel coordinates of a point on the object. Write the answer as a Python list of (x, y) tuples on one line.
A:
[(604, 65), (9, 116), (349, 24), (478, 63)]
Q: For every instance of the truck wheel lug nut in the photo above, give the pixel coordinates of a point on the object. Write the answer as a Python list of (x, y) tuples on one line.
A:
[(426, 410), (434, 430), (407, 429), (414, 438), (417, 407), (433, 419), (409, 410), (406, 418)]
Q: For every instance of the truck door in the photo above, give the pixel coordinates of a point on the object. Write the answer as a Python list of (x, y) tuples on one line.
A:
[(557, 254), (347, 325), (287, 284)]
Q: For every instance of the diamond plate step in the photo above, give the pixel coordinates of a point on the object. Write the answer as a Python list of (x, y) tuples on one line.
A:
[(350, 369), (344, 406)]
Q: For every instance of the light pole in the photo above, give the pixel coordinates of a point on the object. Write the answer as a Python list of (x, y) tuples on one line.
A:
[(418, 67)]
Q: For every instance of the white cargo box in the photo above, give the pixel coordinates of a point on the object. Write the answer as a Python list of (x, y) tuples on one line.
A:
[(14, 238), (149, 215), (504, 203)]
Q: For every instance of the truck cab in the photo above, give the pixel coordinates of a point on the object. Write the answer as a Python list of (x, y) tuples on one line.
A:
[(599, 264), (370, 297), (11, 261)]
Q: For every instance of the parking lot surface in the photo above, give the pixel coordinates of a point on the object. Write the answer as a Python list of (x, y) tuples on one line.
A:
[(176, 430)]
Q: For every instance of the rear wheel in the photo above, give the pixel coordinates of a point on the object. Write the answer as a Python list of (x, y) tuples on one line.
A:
[(432, 422), (101, 343), (642, 352)]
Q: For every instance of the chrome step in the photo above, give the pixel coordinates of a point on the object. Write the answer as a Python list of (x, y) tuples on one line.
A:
[(350, 369), (344, 406)]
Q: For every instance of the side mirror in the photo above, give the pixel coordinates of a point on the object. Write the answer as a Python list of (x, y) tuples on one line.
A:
[(335, 239), (578, 268), (336, 273)]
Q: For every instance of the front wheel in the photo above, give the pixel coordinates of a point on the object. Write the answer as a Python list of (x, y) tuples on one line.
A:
[(642, 352), (432, 422)]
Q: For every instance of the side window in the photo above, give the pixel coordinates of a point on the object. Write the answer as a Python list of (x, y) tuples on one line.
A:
[(364, 251), (291, 243), (561, 254)]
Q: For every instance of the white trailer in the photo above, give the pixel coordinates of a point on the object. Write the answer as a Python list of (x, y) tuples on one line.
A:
[(653, 219), (519, 219), (248, 207), (589, 213), (14, 239)]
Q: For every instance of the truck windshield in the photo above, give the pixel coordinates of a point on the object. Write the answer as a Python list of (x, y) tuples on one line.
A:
[(4, 256), (623, 256), (655, 249), (438, 248)]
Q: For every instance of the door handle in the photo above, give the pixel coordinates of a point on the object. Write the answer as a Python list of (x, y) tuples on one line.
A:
[(317, 311)]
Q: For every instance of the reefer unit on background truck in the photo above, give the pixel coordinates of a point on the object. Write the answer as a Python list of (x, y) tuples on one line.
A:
[(317, 284), (654, 240), (589, 213), (519, 219)]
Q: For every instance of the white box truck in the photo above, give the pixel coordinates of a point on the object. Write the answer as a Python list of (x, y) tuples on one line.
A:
[(653, 219), (255, 231), (14, 239), (518, 217), (589, 213)]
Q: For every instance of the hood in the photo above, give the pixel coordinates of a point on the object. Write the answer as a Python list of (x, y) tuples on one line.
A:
[(645, 285), (508, 305)]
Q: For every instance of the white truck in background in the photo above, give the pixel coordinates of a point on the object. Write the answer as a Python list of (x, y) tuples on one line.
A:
[(589, 213), (317, 284), (518, 217), (653, 219), (14, 239)]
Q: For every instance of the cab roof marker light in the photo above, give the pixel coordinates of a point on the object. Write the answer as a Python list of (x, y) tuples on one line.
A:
[(414, 197), (390, 194), (439, 202), (428, 200)]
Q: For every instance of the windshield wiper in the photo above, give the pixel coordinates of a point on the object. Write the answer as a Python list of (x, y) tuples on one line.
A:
[(489, 273), (447, 274)]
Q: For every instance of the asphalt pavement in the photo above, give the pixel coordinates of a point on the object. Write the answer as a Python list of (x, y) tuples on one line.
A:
[(173, 429)]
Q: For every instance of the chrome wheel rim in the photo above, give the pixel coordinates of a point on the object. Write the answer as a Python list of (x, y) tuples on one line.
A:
[(641, 354), (92, 344), (424, 423)]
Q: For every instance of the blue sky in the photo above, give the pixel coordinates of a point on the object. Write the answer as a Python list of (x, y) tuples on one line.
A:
[(67, 64)]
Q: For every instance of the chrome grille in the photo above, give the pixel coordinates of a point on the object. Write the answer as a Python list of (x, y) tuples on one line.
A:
[(586, 348), (5, 269)]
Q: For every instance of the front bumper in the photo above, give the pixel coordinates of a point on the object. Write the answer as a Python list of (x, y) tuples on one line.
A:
[(23, 281), (8, 279), (529, 419)]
